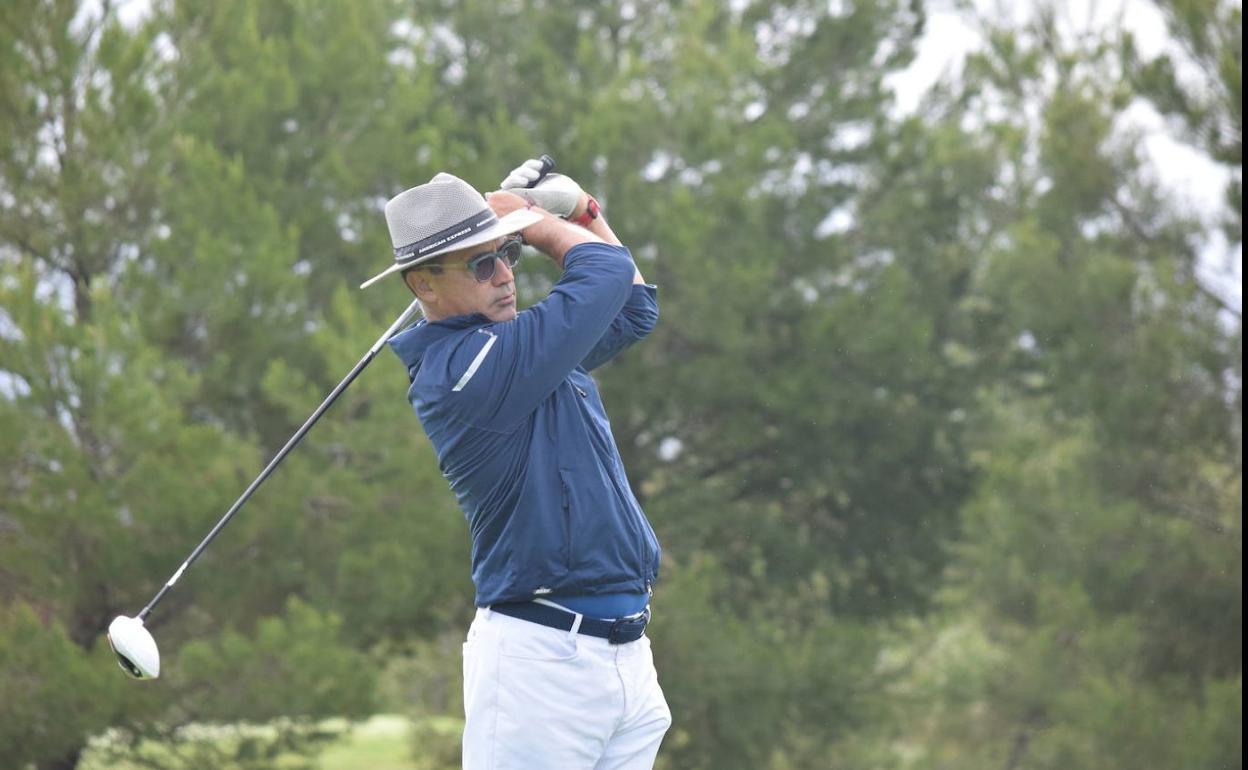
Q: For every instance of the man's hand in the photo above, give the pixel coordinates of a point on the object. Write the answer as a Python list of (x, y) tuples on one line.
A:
[(505, 202), (549, 235), (558, 194), (523, 175)]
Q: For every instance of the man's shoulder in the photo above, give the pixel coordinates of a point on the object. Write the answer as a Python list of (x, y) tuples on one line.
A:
[(448, 354)]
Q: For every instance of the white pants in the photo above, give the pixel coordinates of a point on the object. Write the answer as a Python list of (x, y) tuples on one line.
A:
[(541, 698)]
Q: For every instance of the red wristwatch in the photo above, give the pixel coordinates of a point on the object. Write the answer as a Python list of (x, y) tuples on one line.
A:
[(592, 209)]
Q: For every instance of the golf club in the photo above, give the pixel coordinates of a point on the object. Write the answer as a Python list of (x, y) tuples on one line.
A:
[(132, 643), (548, 165)]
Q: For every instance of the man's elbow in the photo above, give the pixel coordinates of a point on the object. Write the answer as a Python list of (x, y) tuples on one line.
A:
[(646, 321)]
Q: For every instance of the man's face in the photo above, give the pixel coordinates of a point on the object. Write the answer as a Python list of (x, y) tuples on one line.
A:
[(454, 290)]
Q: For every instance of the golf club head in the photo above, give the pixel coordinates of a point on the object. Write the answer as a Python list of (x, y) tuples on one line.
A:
[(134, 647)]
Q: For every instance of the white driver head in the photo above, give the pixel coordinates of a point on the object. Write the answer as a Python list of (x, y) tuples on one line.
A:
[(135, 648)]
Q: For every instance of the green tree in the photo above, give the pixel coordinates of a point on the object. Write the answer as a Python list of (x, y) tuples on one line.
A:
[(1091, 613), (1207, 100), (796, 411), (288, 127), (939, 428), (117, 458)]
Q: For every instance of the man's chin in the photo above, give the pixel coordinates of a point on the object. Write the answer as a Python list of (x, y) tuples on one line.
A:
[(502, 314)]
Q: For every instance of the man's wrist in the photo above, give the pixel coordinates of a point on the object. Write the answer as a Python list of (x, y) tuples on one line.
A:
[(554, 237), (588, 214)]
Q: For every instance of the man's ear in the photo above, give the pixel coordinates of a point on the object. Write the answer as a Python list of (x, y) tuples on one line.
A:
[(418, 282)]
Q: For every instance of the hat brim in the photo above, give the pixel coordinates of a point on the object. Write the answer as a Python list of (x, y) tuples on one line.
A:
[(511, 223)]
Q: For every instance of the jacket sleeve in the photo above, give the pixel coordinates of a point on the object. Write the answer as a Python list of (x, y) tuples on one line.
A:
[(634, 322), (510, 368)]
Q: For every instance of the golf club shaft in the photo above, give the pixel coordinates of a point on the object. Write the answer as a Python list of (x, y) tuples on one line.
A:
[(402, 320)]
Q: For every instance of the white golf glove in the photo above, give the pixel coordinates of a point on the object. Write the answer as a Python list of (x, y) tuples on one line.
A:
[(556, 193)]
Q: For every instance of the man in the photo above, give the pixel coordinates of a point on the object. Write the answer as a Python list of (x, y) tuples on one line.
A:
[(557, 671)]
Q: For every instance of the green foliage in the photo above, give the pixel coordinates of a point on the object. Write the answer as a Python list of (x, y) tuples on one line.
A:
[(1060, 646), (763, 686), (54, 691), (1207, 100), (435, 743), (299, 664), (1091, 612), (425, 682), (940, 428), (245, 701)]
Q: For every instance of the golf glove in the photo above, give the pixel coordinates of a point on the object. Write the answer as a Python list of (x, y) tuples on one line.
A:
[(556, 193)]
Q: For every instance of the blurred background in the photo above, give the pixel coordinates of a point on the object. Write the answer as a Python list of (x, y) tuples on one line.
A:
[(940, 427)]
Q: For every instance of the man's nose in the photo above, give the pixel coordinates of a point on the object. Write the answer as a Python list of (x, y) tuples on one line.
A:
[(502, 272)]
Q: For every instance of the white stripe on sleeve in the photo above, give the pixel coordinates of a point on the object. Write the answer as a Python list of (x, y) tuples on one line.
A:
[(476, 362)]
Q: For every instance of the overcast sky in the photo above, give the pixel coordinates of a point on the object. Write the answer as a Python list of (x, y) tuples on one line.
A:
[(1195, 182)]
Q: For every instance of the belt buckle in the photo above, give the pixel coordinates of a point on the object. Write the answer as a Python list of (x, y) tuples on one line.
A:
[(629, 629)]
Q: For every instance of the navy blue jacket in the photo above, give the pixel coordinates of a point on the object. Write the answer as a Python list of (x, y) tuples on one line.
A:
[(521, 434)]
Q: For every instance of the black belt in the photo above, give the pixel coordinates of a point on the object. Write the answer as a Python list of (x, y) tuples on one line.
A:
[(619, 631)]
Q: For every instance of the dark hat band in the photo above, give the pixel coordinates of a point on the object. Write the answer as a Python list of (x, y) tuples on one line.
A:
[(449, 236)]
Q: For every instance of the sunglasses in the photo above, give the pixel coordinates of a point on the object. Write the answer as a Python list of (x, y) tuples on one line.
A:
[(482, 266)]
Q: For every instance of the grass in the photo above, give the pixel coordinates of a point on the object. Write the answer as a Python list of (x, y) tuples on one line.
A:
[(383, 742)]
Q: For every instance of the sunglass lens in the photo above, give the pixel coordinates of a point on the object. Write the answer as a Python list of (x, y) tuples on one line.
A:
[(511, 251), (483, 267)]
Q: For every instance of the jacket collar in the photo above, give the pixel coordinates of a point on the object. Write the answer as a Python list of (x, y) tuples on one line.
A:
[(411, 344)]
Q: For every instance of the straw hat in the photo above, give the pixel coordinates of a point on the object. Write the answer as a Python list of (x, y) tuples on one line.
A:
[(442, 215)]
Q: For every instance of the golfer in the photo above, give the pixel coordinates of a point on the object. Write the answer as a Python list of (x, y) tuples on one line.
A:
[(558, 673)]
